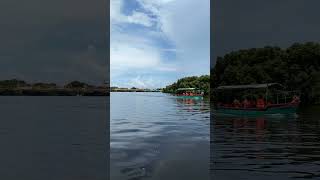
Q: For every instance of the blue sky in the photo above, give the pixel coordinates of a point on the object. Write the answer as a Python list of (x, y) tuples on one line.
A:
[(155, 42)]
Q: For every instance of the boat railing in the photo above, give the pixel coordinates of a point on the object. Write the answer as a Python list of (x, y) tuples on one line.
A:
[(284, 96)]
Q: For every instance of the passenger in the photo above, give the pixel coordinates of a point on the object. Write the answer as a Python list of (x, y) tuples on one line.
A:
[(295, 99), (269, 103), (246, 103), (252, 103), (236, 103), (260, 103)]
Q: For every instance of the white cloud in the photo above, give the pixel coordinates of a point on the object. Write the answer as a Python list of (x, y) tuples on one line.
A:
[(186, 23), (141, 82), (140, 18), (136, 17), (127, 56), (136, 55)]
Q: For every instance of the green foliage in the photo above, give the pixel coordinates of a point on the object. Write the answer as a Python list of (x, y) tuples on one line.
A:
[(77, 84), (44, 85), (316, 87), (293, 67), (14, 83), (201, 82)]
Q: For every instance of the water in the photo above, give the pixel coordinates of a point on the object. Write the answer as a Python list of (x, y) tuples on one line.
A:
[(157, 136), (53, 138), (279, 147), (153, 136)]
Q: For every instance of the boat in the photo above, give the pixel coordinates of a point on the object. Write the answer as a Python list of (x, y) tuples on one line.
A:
[(257, 99), (189, 93)]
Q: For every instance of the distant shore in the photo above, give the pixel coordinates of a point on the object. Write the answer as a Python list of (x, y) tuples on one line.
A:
[(133, 89), (16, 87), (53, 92)]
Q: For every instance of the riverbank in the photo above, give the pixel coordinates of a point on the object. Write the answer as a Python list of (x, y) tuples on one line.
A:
[(133, 91), (53, 92), (16, 87)]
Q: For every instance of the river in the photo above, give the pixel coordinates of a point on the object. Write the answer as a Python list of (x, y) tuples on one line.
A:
[(53, 138), (278, 147), (157, 136), (153, 136)]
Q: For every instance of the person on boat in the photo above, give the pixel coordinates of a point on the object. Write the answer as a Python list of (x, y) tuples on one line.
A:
[(236, 103), (252, 102), (246, 103), (260, 102), (295, 99)]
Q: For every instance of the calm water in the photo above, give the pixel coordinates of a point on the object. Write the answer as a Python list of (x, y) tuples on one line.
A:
[(157, 136), (53, 138), (153, 136), (266, 147)]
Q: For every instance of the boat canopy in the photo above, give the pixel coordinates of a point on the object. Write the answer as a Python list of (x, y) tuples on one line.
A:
[(186, 89), (250, 86)]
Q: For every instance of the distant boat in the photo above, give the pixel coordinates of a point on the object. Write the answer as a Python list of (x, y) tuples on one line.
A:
[(274, 101), (189, 93)]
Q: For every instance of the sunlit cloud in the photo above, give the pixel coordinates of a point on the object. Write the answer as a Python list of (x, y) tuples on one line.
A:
[(154, 42)]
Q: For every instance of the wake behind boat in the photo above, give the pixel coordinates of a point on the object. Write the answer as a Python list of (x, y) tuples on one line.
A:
[(256, 99)]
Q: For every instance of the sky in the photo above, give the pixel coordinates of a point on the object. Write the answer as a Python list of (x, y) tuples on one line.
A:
[(54, 41), (152, 43), (155, 42), (258, 23)]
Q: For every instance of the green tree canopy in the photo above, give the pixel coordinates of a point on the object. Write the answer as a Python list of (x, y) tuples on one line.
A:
[(201, 82), (293, 67)]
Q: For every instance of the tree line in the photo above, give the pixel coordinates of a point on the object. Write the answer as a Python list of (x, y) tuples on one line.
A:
[(200, 82), (296, 67), (16, 87), (15, 83)]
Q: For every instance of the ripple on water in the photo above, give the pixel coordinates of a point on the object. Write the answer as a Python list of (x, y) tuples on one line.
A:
[(156, 129), (264, 148)]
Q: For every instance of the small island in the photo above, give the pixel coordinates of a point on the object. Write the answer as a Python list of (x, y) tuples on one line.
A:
[(199, 82), (15, 87)]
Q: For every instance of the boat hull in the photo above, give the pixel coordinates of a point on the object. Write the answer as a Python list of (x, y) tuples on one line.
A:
[(271, 110), (190, 97)]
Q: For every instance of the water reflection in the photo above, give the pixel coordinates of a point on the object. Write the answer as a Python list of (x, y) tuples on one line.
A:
[(158, 136), (281, 147)]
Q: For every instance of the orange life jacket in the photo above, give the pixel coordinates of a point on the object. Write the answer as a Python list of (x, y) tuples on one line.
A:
[(260, 103)]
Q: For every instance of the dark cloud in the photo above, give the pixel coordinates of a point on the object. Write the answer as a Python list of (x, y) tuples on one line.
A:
[(257, 23), (57, 41)]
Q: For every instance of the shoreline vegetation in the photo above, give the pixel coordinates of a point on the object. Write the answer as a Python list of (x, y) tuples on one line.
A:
[(133, 89), (296, 67), (199, 82), (16, 87)]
